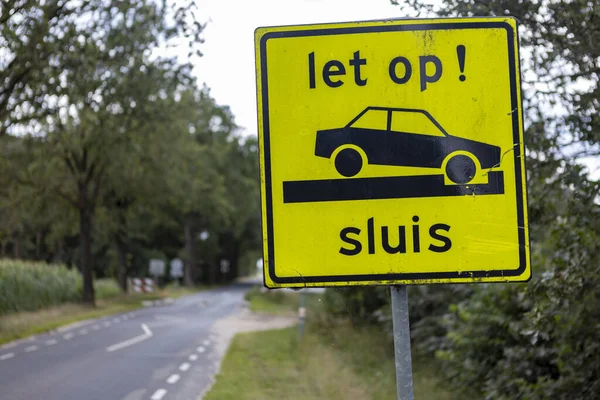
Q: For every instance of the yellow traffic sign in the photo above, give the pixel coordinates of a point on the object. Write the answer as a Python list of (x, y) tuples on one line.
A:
[(391, 152)]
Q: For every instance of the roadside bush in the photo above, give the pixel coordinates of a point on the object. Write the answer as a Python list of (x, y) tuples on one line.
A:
[(29, 286), (361, 304), (428, 308), (106, 288), (274, 296), (539, 340)]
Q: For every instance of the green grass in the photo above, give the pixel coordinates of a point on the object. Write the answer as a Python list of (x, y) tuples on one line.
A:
[(180, 291), (273, 302), (106, 288), (30, 286), (334, 360)]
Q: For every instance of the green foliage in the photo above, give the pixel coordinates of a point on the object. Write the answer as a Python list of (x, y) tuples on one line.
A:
[(29, 286), (106, 288), (110, 152), (66, 49), (274, 301), (368, 304), (539, 340), (428, 306)]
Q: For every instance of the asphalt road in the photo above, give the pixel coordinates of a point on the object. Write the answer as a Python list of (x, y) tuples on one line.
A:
[(162, 352)]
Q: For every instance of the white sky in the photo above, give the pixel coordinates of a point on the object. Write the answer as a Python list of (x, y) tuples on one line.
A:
[(228, 64)]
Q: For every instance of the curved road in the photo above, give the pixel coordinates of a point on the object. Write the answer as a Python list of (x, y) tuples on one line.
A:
[(163, 352)]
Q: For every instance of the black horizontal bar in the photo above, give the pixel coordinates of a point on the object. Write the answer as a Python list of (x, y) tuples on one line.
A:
[(389, 187)]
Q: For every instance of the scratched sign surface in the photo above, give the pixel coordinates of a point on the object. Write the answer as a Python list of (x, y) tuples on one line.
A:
[(392, 153)]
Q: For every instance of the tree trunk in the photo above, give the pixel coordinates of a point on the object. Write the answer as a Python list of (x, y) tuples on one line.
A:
[(214, 270), (234, 260), (38, 246), (190, 256), (59, 253), (122, 255), (230, 249), (85, 245), (17, 248)]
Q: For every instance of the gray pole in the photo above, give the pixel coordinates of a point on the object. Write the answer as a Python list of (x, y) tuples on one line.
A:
[(404, 378)]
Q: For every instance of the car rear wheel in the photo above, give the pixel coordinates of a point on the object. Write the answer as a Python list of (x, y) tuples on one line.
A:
[(348, 162), (461, 169)]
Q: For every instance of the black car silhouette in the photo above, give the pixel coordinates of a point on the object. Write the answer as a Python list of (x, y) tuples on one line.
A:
[(403, 137)]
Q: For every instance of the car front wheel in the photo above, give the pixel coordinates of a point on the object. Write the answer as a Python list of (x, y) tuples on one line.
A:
[(461, 169), (348, 162)]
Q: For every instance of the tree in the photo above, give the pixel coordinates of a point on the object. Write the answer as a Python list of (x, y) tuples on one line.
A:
[(105, 84), (197, 185), (562, 60), (44, 42), (242, 232)]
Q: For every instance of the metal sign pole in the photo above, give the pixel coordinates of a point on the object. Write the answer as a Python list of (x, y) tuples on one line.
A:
[(404, 376)]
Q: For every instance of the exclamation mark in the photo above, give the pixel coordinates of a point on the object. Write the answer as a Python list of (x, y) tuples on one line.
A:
[(461, 52)]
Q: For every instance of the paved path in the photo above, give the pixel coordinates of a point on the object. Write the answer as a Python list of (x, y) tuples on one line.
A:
[(164, 352)]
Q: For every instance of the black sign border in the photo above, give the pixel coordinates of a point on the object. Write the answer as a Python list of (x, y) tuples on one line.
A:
[(419, 277)]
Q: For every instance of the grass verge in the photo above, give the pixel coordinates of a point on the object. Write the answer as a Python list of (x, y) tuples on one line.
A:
[(274, 302), (334, 360), (19, 325)]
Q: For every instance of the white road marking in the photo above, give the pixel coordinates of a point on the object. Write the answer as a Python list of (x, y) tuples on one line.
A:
[(83, 332), (146, 335), (116, 320), (73, 326), (68, 336), (173, 379), (30, 349), (184, 367), (125, 317), (200, 349), (9, 346), (51, 342), (7, 356), (159, 394), (193, 357), (96, 327), (106, 323), (207, 342)]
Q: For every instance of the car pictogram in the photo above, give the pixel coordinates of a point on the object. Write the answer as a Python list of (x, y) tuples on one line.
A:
[(403, 137)]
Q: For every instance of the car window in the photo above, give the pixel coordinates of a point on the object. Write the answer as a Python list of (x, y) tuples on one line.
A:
[(372, 119), (414, 122)]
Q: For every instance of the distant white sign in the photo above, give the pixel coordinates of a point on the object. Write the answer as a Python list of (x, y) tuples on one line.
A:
[(204, 235), (157, 267), (225, 266), (176, 268)]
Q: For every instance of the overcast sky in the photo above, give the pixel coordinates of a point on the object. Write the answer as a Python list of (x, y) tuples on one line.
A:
[(228, 63)]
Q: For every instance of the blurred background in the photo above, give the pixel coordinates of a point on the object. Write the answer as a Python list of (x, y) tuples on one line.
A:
[(128, 150)]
